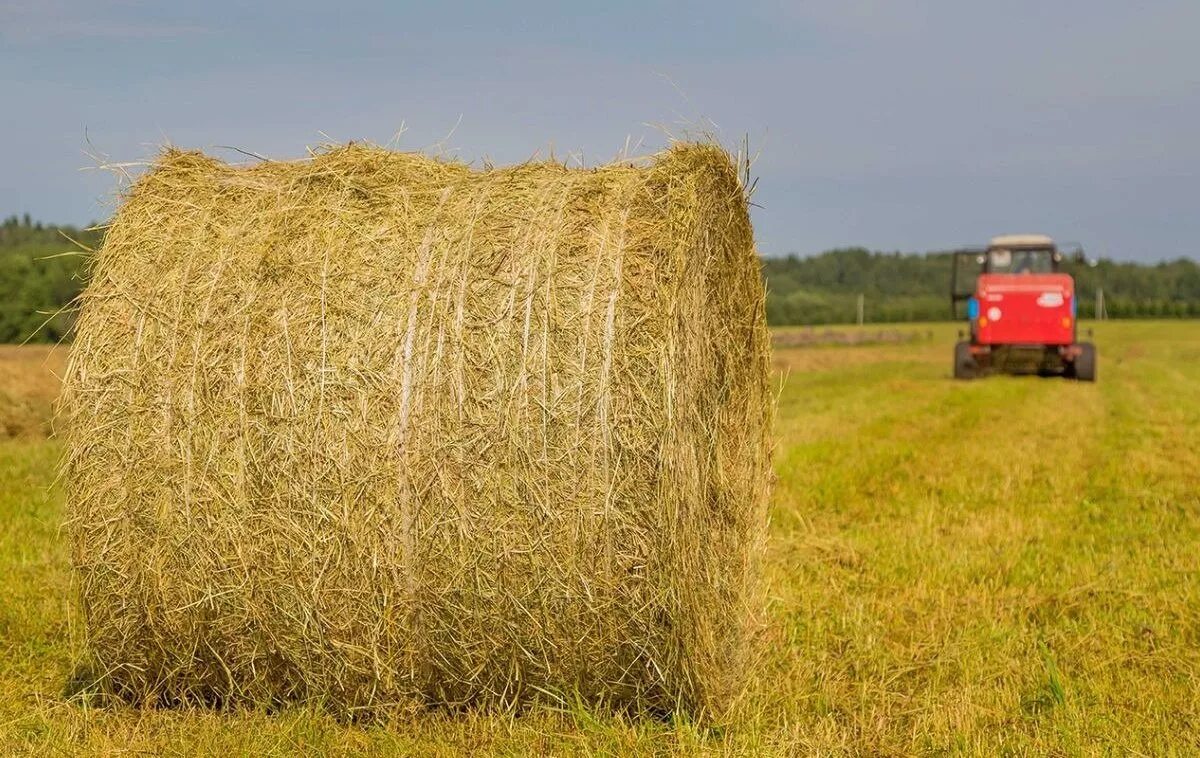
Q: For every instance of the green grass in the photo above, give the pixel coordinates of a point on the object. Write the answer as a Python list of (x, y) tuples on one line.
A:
[(1003, 566)]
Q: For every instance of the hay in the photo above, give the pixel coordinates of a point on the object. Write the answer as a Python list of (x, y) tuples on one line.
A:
[(377, 428)]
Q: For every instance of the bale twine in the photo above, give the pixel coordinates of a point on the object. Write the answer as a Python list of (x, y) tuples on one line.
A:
[(378, 428)]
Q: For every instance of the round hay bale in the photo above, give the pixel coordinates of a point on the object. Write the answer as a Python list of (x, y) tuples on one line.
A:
[(375, 428)]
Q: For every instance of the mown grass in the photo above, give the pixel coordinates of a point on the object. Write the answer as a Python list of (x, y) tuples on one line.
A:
[(28, 385), (1002, 566)]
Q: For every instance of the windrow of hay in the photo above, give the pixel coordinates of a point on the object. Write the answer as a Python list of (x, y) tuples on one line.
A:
[(29, 383), (379, 428)]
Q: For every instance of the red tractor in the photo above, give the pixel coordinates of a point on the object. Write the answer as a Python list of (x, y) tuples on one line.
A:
[(1021, 311)]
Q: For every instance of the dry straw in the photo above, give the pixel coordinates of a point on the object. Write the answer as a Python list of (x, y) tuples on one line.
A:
[(378, 428)]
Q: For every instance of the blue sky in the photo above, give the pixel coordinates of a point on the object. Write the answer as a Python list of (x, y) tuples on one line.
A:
[(890, 124)]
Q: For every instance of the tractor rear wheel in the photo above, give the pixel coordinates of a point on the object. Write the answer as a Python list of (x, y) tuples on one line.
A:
[(1085, 363), (965, 366)]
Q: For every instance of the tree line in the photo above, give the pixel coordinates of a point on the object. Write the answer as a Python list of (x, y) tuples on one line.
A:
[(824, 289), (43, 267), (41, 272)]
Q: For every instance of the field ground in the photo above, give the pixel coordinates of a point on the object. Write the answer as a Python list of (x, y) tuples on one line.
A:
[(28, 385), (1002, 566)]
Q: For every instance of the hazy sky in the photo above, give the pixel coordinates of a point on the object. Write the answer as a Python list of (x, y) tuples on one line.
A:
[(884, 123)]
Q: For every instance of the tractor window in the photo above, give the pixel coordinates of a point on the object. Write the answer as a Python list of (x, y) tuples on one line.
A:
[(1001, 261), (968, 265)]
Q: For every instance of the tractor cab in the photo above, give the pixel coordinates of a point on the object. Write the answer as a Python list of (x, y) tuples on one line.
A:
[(1022, 260), (1020, 310)]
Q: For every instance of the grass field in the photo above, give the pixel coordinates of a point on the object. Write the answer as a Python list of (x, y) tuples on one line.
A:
[(1003, 566)]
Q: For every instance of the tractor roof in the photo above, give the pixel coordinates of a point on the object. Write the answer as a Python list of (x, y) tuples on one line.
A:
[(1022, 240)]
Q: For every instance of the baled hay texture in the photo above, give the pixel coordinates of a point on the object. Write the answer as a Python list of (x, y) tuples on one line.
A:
[(377, 428)]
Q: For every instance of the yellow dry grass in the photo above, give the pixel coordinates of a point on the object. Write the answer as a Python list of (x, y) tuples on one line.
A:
[(375, 429), (29, 382)]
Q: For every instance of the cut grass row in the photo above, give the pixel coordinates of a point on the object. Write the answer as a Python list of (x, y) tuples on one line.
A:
[(29, 380)]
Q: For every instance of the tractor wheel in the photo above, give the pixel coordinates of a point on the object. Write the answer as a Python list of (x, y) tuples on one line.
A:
[(965, 366), (1085, 363)]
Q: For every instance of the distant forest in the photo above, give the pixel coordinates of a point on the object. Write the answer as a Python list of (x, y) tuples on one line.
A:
[(824, 289), (41, 271), (43, 267)]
